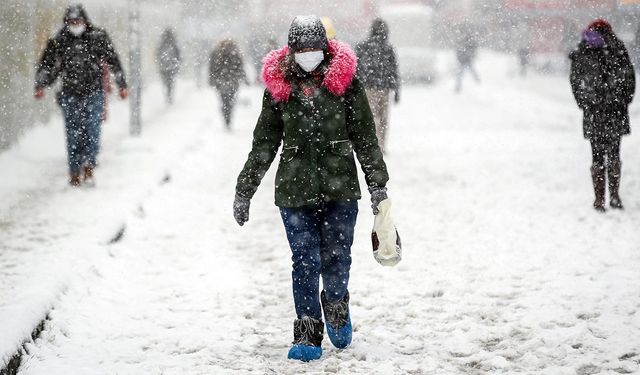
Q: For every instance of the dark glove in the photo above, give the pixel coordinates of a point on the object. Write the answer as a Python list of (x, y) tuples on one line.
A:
[(378, 194), (396, 97), (241, 209)]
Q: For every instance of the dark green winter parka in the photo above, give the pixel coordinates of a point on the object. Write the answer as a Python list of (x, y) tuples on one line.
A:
[(320, 127)]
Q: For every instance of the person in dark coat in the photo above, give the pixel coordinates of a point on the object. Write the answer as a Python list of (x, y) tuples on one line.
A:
[(378, 71), (466, 51), (603, 83), (78, 54), (318, 110), (226, 71), (169, 61)]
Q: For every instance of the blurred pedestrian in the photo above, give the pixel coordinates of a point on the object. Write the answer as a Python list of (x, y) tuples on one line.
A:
[(466, 51), (603, 83), (315, 106), (523, 46), (329, 27), (78, 53), (378, 71), (226, 72), (168, 61)]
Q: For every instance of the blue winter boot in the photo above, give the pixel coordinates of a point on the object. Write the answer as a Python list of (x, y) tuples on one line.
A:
[(307, 339), (338, 319)]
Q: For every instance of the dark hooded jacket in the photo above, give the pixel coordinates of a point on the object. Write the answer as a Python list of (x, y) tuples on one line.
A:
[(226, 68), (169, 54), (603, 84), (377, 64), (79, 59)]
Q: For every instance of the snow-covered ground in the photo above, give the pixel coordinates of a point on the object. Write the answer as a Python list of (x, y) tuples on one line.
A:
[(507, 268)]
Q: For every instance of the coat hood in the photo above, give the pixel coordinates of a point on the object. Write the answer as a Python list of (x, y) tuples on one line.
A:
[(379, 30), (75, 11), (337, 78)]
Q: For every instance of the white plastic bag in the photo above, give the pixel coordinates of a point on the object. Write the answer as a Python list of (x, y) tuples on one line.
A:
[(387, 247)]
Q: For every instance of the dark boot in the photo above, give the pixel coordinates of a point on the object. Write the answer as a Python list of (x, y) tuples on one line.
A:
[(74, 179), (598, 177), (307, 339), (338, 320), (614, 184)]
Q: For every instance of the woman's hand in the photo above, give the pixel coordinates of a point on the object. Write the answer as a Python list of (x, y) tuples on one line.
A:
[(241, 209), (378, 194)]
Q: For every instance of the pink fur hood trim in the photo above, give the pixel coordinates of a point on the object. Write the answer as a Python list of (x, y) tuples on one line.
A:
[(337, 79)]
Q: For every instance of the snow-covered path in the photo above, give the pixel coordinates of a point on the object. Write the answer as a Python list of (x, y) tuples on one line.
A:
[(507, 269)]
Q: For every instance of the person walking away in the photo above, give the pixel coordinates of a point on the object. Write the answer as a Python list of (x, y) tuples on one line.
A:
[(603, 83), (77, 53), (226, 71), (316, 107), (168, 61), (523, 43), (466, 50), (378, 71)]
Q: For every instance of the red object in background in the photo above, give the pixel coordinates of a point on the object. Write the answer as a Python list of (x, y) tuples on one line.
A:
[(558, 4), (107, 88)]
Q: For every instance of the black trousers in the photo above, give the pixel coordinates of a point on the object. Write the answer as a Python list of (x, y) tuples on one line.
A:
[(605, 150), (228, 100)]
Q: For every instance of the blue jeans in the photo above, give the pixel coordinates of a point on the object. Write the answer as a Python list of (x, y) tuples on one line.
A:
[(320, 238), (82, 118)]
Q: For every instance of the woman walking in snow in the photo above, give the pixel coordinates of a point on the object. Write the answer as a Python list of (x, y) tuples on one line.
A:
[(315, 106), (226, 71), (603, 84)]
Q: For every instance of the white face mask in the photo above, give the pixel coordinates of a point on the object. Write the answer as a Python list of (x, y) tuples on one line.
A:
[(77, 30), (309, 61)]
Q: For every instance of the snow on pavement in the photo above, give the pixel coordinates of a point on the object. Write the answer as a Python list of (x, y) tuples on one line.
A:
[(507, 268), (48, 230)]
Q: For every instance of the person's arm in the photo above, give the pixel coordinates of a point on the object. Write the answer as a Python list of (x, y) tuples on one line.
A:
[(582, 79), (395, 74), (362, 133), (628, 76), (267, 137), (48, 68), (112, 59), (212, 68)]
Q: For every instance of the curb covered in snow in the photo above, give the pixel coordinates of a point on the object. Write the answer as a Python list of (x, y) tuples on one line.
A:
[(12, 366)]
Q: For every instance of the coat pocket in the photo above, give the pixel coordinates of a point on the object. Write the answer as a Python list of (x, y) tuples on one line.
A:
[(288, 153), (341, 148)]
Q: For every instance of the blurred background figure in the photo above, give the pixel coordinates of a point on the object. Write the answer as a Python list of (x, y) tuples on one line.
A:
[(78, 53), (378, 71), (168, 61), (329, 27), (523, 46), (226, 71), (466, 45), (603, 83)]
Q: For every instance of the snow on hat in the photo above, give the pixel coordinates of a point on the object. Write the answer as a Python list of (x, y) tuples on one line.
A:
[(75, 12), (600, 25), (307, 32)]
